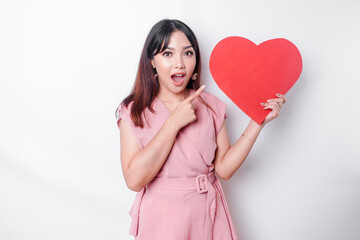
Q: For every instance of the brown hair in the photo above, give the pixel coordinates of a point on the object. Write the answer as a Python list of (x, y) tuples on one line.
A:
[(146, 86)]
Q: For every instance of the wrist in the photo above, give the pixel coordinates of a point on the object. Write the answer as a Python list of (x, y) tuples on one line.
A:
[(252, 131), (256, 125), (172, 125), (249, 139)]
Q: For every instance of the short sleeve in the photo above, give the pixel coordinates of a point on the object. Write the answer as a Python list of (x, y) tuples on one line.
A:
[(123, 112), (220, 114), (219, 110)]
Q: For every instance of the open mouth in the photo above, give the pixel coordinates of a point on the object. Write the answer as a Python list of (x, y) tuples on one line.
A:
[(178, 79)]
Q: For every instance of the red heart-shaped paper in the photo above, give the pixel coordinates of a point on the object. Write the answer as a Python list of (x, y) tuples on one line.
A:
[(250, 74)]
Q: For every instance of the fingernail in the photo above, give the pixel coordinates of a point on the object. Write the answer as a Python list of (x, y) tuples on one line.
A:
[(263, 104), (268, 100), (278, 94)]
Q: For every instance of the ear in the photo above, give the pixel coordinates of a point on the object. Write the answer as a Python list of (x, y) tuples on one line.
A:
[(152, 62)]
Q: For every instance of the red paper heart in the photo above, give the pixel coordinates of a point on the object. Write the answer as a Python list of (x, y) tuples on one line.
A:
[(249, 74)]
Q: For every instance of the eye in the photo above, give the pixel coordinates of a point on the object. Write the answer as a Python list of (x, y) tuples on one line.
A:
[(166, 54), (189, 53)]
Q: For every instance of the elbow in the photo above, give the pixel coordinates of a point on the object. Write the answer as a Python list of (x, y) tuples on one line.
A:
[(133, 185), (134, 188), (226, 178), (223, 175), (132, 181)]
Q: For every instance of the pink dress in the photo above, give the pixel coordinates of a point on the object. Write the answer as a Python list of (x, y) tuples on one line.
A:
[(185, 201)]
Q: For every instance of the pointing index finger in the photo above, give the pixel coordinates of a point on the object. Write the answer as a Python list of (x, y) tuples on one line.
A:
[(196, 94)]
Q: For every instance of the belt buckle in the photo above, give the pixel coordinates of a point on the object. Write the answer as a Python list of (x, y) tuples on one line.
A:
[(200, 182)]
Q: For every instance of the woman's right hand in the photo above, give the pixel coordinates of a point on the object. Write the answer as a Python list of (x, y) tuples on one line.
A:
[(140, 166), (184, 113)]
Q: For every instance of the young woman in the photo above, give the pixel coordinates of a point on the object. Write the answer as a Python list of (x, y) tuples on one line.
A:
[(174, 140)]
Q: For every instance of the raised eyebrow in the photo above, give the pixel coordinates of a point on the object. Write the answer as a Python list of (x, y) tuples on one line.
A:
[(187, 47), (170, 48)]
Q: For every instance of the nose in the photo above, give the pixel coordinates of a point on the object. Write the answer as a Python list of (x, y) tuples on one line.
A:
[(179, 62)]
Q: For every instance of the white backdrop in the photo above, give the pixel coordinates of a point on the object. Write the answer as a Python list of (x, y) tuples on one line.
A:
[(66, 65)]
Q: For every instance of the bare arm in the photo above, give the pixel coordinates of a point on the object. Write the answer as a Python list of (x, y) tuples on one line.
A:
[(140, 166), (229, 158)]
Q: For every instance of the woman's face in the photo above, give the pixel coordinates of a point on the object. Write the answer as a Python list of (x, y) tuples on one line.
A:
[(176, 64)]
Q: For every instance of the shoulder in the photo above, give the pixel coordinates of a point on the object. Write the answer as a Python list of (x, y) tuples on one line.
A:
[(212, 100), (123, 111), (217, 109)]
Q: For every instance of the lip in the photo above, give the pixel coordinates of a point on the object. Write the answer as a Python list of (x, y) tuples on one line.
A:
[(178, 73), (178, 83)]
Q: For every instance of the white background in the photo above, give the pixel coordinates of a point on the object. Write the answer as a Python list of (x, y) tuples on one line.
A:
[(66, 65)]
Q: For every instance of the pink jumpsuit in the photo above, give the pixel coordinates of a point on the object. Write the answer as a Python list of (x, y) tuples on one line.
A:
[(185, 201)]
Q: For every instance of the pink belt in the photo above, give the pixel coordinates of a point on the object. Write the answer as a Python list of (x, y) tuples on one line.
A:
[(201, 184)]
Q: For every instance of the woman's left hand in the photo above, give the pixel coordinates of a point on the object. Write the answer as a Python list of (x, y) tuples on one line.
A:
[(275, 105)]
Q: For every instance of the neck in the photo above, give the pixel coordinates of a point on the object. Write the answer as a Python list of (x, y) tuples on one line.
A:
[(171, 97)]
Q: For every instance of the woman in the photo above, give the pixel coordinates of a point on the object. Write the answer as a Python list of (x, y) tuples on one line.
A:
[(174, 140)]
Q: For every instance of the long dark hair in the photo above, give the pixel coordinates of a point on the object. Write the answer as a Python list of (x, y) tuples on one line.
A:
[(146, 86)]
